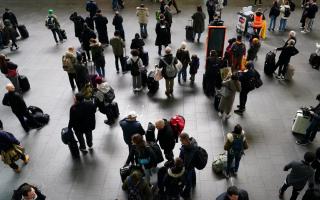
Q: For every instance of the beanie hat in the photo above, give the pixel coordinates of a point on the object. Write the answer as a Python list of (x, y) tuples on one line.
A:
[(50, 11)]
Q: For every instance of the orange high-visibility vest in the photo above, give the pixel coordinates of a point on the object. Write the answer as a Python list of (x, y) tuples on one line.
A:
[(257, 22)]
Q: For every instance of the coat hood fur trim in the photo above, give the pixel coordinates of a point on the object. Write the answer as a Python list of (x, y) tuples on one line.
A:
[(176, 175), (230, 136)]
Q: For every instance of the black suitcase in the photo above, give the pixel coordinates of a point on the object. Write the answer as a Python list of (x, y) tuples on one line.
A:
[(144, 78), (113, 110), (24, 83), (150, 133), (270, 63), (152, 84), (63, 34), (217, 99), (23, 31), (38, 115), (145, 58), (74, 149), (189, 33), (125, 171), (314, 61)]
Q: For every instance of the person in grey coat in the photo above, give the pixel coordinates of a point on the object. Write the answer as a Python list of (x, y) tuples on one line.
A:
[(198, 22), (230, 86), (301, 172)]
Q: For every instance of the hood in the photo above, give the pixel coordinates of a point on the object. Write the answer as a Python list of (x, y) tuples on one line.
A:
[(103, 87), (134, 58), (69, 54), (230, 136), (170, 173), (98, 44)]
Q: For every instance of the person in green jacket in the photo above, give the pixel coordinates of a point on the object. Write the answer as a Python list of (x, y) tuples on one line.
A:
[(118, 46)]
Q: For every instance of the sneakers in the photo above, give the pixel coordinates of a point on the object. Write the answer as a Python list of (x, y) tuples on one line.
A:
[(26, 161), (302, 142), (108, 122), (220, 114), (238, 106), (239, 111), (279, 77), (303, 31)]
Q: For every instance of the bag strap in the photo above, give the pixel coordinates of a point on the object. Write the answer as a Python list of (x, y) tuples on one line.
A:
[(166, 62)]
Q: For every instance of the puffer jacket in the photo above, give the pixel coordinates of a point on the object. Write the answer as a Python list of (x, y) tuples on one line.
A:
[(143, 15), (230, 138)]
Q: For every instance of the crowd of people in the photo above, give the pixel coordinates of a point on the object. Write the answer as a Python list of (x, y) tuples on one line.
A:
[(223, 78)]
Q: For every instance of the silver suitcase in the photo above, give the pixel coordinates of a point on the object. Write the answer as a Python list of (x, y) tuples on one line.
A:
[(300, 123)]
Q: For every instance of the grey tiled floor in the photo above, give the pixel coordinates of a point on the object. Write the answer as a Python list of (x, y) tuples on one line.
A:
[(267, 120)]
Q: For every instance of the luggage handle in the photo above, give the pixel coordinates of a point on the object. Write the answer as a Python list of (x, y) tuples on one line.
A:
[(190, 21)]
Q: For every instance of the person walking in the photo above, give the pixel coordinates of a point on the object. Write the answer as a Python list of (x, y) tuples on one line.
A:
[(68, 63), (235, 144), (301, 172), (18, 107), (82, 74), (137, 67), (313, 128), (98, 56), (143, 14), (78, 25), (166, 138), (82, 120), (230, 86), (9, 15), (11, 151), (194, 66), (175, 5), (284, 59), (211, 8), (169, 70), (284, 14), (198, 22), (117, 22), (163, 34), (53, 24), (238, 50), (130, 126), (11, 33), (273, 14), (92, 8), (253, 50), (118, 46), (10, 70), (168, 15), (101, 26), (87, 34), (233, 193), (310, 15), (183, 56)]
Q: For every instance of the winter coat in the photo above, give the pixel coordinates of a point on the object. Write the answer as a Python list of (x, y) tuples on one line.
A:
[(72, 57), (174, 182), (55, 21), (78, 24), (243, 195), (286, 53), (7, 140), (187, 153), (117, 22), (82, 74), (163, 34), (135, 71), (139, 155), (92, 8), (11, 17), (101, 23), (86, 36), (82, 117), (274, 11), (299, 175), (143, 15), (166, 137), (137, 44), (230, 138), (168, 17), (212, 71), (10, 33), (15, 101), (12, 69), (143, 188), (211, 6), (252, 51), (198, 22), (168, 59), (117, 44), (282, 10), (311, 11), (245, 77), (194, 66), (97, 54), (226, 102), (183, 56), (129, 128)]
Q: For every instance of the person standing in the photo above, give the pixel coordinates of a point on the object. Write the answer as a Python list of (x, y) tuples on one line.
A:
[(98, 56), (233, 193), (166, 138), (18, 107), (301, 172), (235, 144), (273, 14), (82, 74), (118, 46), (137, 43), (52, 23), (212, 75), (101, 26), (10, 70), (163, 34), (117, 22), (143, 14), (92, 8), (68, 63), (211, 8), (183, 56), (253, 50), (87, 34), (238, 50), (169, 70), (131, 126), (9, 15), (198, 22), (194, 66), (310, 15), (168, 15), (11, 33), (82, 120), (136, 68), (78, 25), (285, 14)]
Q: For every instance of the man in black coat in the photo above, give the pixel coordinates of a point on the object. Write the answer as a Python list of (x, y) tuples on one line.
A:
[(137, 43), (11, 17), (18, 107), (87, 34), (82, 120), (117, 22), (27, 191), (233, 193), (78, 24), (92, 8), (166, 138), (101, 26)]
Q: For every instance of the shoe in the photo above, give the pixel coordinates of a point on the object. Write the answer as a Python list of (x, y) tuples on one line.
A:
[(220, 114), (301, 27), (108, 122), (17, 48), (303, 31), (26, 161), (90, 148), (228, 116), (235, 173), (239, 111), (179, 11), (83, 150), (167, 94), (238, 106), (184, 80), (179, 81), (280, 194), (118, 72), (278, 77), (11, 48), (273, 29), (269, 29), (302, 142), (18, 170), (198, 40), (57, 43)]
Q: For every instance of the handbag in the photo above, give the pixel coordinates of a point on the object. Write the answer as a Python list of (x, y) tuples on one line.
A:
[(12, 73), (158, 74), (179, 66)]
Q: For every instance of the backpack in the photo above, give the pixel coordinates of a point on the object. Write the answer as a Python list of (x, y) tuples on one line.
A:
[(156, 151), (201, 158), (237, 50), (292, 6), (66, 63), (133, 191), (51, 23), (177, 123), (171, 70), (67, 135), (286, 12), (4, 69), (237, 144), (134, 67)]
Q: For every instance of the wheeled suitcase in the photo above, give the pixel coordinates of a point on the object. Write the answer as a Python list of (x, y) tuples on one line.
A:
[(300, 123), (23, 31), (144, 78), (112, 110), (152, 84), (24, 83), (217, 99), (145, 58), (63, 34), (314, 61), (289, 74), (125, 171), (38, 115), (150, 133), (189, 33), (270, 63)]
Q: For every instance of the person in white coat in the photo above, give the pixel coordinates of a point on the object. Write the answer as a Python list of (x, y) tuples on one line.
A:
[(285, 14)]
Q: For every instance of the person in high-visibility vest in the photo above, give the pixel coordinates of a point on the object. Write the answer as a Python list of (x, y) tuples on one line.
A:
[(257, 21)]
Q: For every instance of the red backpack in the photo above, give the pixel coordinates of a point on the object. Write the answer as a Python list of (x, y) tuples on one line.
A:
[(177, 123)]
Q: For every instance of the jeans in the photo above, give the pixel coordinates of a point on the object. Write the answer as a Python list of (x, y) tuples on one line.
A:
[(121, 58), (308, 24), (272, 24), (295, 191), (236, 157), (136, 82), (169, 85), (199, 35), (13, 165), (72, 79), (312, 129), (183, 73), (81, 139), (56, 32), (143, 28), (100, 71), (243, 98), (283, 24)]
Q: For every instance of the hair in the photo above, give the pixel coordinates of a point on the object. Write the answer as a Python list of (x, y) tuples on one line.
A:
[(26, 189), (239, 37), (309, 157), (232, 40), (199, 8), (79, 97), (137, 139), (292, 34), (167, 50), (232, 190), (117, 33), (3, 60), (237, 129), (213, 53), (291, 42), (134, 52), (135, 176), (194, 56), (184, 136), (255, 41), (183, 45), (137, 36), (178, 162), (99, 11)]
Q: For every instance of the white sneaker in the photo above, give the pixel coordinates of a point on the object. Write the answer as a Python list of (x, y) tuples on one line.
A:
[(220, 114), (303, 31)]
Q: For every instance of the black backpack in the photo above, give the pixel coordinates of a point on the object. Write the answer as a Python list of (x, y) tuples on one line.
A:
[(156, 151), (237, 144), (237, 49), (286, 12), (4, 69), (134, 67), (201, 158), (51, 23)]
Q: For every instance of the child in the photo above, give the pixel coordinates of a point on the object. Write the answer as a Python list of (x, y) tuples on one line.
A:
[(194, 66)]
